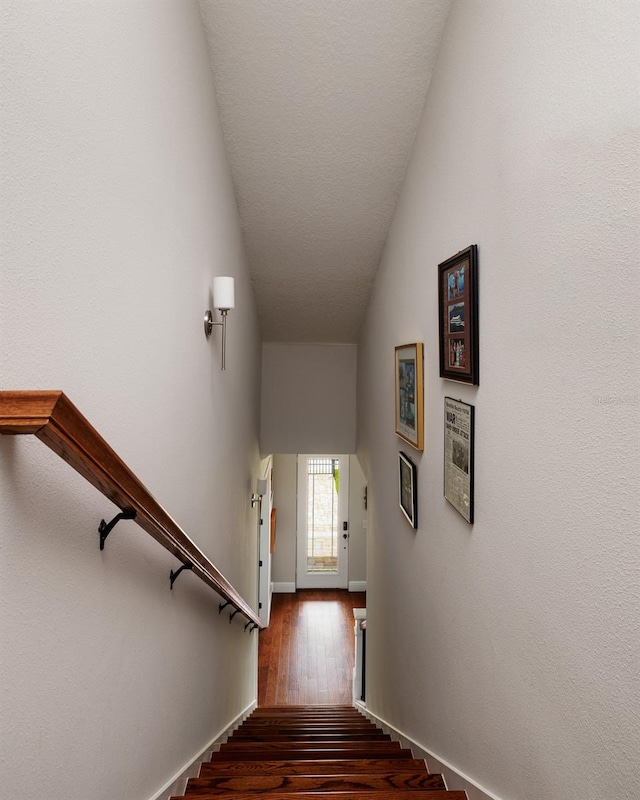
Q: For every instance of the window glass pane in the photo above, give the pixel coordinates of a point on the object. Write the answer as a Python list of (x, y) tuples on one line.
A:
[(322, 515)]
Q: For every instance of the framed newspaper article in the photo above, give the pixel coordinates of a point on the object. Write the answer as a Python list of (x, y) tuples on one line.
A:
[(458, 456), (458, 316), (407, 489), (408, 386)]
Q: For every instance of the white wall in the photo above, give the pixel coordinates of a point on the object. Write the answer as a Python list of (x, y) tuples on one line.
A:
[(308, 398), (117, 211), (509, 648), (284, 559)]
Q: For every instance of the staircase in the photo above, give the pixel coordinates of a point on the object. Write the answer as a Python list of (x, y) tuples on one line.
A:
[(314, 753)]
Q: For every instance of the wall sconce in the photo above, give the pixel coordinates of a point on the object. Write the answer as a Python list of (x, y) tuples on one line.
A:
[(223, 300), (257, 496)]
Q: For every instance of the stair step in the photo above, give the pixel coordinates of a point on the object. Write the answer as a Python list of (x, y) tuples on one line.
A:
[(300, 730), (293, 710), (291, 722), (309, 736), (314, 753), (319, 783), (284, 712), (312, 767), (295, 741), (320, 715), (391, 794), (293, 754), (277, 722), (288, 724), (306, 744)]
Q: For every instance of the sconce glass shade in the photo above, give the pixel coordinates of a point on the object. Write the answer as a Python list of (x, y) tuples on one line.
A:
[(223, 293)]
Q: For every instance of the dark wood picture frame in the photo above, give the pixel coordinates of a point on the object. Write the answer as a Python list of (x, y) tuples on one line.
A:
[(458, 316), (407, 489)]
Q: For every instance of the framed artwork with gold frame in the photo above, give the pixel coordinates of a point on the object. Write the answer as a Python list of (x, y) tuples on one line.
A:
[(409, 394)]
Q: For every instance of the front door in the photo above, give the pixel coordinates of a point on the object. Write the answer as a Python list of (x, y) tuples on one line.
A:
[(323, 522)]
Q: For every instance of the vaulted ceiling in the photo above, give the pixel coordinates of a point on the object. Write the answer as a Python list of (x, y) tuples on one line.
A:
[(320, 102)]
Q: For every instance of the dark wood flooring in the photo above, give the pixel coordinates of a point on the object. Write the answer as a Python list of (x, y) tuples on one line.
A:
[(306, 654)]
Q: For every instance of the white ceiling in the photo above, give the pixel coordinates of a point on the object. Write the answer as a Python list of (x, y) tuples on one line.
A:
[(320, 101)]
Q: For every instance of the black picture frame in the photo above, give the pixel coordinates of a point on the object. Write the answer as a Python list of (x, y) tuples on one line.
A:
[(459, 455), (407, 489), (458, 317)]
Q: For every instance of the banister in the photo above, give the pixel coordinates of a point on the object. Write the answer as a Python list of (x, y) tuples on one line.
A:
[(52, 418)]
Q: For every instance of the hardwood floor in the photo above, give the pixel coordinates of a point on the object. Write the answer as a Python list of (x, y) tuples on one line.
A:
[(306, 654)]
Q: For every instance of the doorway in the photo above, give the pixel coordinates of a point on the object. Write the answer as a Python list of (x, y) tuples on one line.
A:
[(323, 522)]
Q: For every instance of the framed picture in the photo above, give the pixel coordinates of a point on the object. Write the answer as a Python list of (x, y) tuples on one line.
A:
[(409, 409), (458, 456), (458, 316), (407, 489)]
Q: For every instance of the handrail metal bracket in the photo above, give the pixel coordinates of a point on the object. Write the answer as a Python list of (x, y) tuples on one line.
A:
[(105, 528), (222, 606), (231, 616), (173, 575)]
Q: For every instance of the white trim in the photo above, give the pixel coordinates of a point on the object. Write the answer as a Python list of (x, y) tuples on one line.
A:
[(454, 778), (284, 588), (177, 785), (357, 586)]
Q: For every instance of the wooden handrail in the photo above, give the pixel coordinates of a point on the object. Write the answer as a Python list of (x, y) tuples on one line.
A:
[(53, 419)]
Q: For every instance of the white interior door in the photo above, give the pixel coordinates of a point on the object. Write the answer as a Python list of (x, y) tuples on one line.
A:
[(265, 587), (323, 522)]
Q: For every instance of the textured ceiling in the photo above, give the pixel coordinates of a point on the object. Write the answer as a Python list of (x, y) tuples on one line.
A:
[(320, 101)]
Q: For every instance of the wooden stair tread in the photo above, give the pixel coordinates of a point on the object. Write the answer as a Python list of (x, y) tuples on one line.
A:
[(319, 715), (392, 794), (287, 713), (310, 736), (287, 724), (312, 767), (311, 727), (307, 720), (318, 707), (290, 755), (347, 744), (317, 783), (282, 713)]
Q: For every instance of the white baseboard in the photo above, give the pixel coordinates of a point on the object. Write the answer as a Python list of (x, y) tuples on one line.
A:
[(290, 588), (178, 784), (455, 779), (284, 588)]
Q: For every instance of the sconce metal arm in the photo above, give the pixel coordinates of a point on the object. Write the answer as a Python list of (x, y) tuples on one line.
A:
[(208, 329)]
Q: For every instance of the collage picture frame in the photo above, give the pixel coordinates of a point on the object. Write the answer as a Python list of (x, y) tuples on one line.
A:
[(458, 317)]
